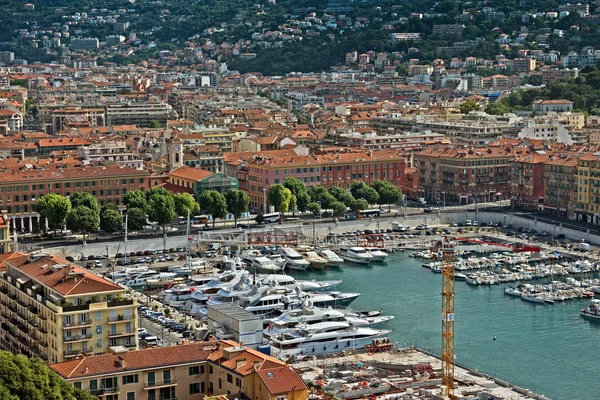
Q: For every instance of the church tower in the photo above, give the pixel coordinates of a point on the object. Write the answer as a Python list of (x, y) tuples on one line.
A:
[(174, 153)]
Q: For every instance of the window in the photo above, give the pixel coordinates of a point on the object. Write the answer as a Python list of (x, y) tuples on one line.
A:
[(99, 343), (220, 383), (130, 395), (197, 370), (130, 379), (196, 388), (238, 382), (98, 327), (210, 369), (229, 378), (77, 385)]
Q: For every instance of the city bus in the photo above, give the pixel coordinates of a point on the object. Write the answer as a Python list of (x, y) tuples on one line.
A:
[(369, 213), (271, 218)]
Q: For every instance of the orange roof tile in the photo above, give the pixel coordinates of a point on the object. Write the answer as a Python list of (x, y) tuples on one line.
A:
[(281, 379), (186, 172)]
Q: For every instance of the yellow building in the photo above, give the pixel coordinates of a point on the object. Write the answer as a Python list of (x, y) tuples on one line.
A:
[(185, 372), (5, 242), (188, 177), (55, 310)]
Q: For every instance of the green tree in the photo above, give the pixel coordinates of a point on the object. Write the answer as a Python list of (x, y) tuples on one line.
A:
[(110, 218), (237, 203), (314, 208), (321, 195), (259, 219), (84, 220), (298, 189), (468, 106), (156, 191), (338, 208), (136, 219), (135, 199), (387, 192), (497, 108), (360, 190), (84, 199), (356, 187), (214, 203), (280, 197), (358, 205), (341, 195), (55, 209), (31, 379), (185, 202), (161, 209), (154, 124)]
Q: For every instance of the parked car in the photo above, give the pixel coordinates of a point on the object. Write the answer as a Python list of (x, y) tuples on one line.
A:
[(430, 209), (421, 227)]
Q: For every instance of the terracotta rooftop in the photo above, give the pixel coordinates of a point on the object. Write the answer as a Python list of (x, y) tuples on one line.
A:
[(53, 173), (281, 379), (68, 280), (134, 360), (186, 172)]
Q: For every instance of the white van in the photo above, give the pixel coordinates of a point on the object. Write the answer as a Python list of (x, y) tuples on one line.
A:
[(398, 227), (582, 246)]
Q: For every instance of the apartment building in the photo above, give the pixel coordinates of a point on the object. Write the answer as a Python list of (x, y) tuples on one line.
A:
[(328, 170), (6, 243), (560, 185), (209, 158), (14, 119), (527, 178), (55, 310), (519, 65), (20, 189), (138, 113), (463, 175), (110, 152), (93, 117), (556, 106), (186, 371), (587, 206), (556, 74)]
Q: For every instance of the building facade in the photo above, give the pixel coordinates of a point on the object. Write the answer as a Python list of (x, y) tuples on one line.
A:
[(187, 371), (54, 310)]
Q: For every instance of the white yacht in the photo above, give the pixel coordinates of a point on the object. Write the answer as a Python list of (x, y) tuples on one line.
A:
[(293, 260), (333, 260), (592, 311), (315, 260), (310, 315), (377, 253), (177, 295), (259, 262), (289, 283), (355, 254), (323, 338)]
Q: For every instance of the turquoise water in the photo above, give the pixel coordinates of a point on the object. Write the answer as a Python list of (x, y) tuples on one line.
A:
[(549, 348)]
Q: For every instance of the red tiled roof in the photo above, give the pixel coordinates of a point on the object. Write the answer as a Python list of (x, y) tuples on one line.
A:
[(281, 379), (134, 360), (186, 172), (68, 280)]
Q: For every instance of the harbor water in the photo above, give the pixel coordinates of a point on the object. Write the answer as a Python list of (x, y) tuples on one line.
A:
[(547, 348)]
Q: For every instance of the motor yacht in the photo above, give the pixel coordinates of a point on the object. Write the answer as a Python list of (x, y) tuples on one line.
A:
[(290, 283), (323, 338), (315, 260), (377, 253), (259, 262), (293, 260), (591, 311), (356, 255), (333, 260)]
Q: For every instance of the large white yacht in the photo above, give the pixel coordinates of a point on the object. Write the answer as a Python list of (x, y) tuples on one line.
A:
[(293, 260), (323, 338), (289, 283), (259, 262), (355, 254), (310, 315), (377, 253), (333, 260)]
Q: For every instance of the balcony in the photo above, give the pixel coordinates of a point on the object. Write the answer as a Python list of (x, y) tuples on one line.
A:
[(118, 334), (81, 307), (121, 318), (77, 338), (104, 391), (118, 303), (159, 384), (77, 324)]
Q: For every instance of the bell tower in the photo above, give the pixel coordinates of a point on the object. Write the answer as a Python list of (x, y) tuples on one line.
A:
[(174, 153)]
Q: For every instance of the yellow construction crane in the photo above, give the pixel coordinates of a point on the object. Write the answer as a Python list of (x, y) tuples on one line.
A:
[(446, 247)]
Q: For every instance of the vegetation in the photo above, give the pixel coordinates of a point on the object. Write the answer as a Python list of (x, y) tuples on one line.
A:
[(280, 197), (22, 378), (185, 204), (84, 199), (237, 203), (468, 106), (214, 203), (83, 220), (136, 219), (135, 199), (110, 218), (55, 209)]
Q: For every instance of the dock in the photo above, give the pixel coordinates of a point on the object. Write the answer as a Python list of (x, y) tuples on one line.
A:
[(400, 373)]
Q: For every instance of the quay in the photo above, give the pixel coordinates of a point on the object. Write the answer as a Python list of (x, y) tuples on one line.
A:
[(400, 373)]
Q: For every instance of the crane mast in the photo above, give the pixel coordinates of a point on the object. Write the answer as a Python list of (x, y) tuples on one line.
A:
[(447, 250)]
